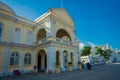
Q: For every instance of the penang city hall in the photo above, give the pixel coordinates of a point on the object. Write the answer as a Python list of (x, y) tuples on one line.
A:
[(48, 39)]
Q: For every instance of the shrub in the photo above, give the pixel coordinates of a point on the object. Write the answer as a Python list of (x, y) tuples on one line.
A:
[(57, 63), (70, 63), (79, 62)]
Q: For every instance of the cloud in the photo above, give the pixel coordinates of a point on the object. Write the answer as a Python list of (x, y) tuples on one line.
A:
[(91, 44), (81, 45)]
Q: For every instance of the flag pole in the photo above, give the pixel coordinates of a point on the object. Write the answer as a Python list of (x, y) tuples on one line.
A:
[(61, 4)]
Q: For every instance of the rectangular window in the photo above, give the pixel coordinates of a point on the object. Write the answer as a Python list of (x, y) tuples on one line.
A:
[(12, 61), (17, 35), (29, 37)]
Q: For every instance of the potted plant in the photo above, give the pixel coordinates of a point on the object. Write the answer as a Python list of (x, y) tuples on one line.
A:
[(57, 67), (80, 65), (57, 63), (16, 72), (70, 66)]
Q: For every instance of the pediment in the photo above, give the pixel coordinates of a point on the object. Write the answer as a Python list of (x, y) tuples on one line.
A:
[(62, 13)]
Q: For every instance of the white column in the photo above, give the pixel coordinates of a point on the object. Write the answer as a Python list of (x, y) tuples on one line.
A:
[(22, 61), (69, 60), (43, 61), (61, 58), (76, 57), (10, 31), (6, 60), (62, 62), (51, 58), (24, 35), (33, 58)]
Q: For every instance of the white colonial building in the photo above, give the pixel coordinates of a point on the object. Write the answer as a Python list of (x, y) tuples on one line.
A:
[(93, 58), (115, 56), (48, 39)]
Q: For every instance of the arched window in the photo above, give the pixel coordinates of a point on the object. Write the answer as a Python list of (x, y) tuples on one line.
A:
[(57, 56), (27, 59), (41, 34), (71, 56), (14, 58), (61, 33), (65, 57)]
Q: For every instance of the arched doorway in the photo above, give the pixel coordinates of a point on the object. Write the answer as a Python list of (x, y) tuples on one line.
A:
[(58, 57), (65, 58), (41, 34), (61, 33), (41, 61), (72, 58)]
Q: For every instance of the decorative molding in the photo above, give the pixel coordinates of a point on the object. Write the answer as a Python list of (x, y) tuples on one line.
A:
[(20, 21)]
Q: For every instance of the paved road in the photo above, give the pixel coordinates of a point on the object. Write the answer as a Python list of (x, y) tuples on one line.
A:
[(102, 72)]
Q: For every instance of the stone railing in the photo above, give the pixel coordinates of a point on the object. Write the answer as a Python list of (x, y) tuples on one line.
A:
[(54, 40)]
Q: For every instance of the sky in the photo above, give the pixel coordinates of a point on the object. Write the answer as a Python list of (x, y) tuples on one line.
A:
[(96, 21)]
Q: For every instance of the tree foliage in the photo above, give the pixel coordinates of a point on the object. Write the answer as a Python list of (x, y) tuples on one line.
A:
[(99, 50), (86, 51), (107, 53), (119, 53)]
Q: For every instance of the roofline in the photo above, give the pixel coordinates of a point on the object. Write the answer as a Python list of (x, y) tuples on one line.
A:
[(13, 12)]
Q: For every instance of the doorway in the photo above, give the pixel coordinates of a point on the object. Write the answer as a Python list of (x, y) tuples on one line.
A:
[(42, 61)]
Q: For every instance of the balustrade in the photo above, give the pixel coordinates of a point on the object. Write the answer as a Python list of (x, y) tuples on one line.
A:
[(54, 40)]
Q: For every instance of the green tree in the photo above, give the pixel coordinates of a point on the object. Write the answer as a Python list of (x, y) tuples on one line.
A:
[(119, 53), (99, 51), (85, 51), (107, 54)]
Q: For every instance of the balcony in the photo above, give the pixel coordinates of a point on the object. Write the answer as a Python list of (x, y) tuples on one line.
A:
[(55, 41)]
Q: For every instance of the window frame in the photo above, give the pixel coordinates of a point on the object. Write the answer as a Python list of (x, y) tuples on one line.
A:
[(27, 59), (14, 59)]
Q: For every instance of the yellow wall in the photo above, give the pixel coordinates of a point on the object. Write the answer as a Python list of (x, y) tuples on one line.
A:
[(2, 57), (19, 50), (15, 24)]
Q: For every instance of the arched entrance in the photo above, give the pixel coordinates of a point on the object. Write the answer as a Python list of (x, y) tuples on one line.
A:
[(65, 58), (58, 57), (72, 58), (61, 33), (41, 61)]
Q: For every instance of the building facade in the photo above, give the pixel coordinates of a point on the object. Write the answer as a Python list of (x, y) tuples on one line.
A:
[(42, 42)]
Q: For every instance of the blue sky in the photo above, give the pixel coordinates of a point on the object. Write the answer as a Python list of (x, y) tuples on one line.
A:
[(96, 21)]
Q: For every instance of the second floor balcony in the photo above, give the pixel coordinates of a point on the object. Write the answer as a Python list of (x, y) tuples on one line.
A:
[(54, 40)]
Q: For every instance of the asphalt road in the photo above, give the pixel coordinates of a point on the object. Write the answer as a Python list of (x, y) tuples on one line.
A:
[(101, 72)]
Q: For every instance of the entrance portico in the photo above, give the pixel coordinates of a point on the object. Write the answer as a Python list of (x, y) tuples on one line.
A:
[(41, 61)]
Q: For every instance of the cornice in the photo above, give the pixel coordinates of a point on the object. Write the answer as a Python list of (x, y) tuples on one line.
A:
[(15, 19), (6, 44)]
